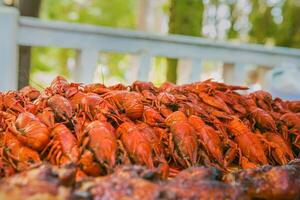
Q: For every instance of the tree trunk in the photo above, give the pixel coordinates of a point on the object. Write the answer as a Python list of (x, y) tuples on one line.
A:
[(186, 19), (27, 8)]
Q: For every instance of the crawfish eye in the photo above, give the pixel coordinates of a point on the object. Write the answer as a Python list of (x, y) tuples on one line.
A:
[(174, 107), (122, 110), (6, 149), (22, 132), (30, 160)]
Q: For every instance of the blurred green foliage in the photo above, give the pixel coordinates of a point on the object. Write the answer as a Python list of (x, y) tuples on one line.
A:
[(288, 33), (274, 22), (185, 18), (114, 13)]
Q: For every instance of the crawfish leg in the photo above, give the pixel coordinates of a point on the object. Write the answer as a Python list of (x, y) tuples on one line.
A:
[(164, 169), (173, 172), (10, 160), (53, 148), (124, 158), (88, 112), (85, 142), (297, 141), (48, 145), (171, 146), (230, 154), (54, 155), (58, 156)]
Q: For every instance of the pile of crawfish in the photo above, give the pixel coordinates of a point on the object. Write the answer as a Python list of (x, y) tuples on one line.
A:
[(167, 128)]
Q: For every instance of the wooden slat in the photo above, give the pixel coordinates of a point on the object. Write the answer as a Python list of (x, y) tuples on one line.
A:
[(196, 70), (184, 68), (144, 67), (87, 63), (239, 74), (228, 72), (8, 48)]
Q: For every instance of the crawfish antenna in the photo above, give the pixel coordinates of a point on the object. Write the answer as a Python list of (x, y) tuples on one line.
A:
[(102, 74), (37, 84)]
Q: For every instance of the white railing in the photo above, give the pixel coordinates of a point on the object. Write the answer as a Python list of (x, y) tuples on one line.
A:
[(90, 40)]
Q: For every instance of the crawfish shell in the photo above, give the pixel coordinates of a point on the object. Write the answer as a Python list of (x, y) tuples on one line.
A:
[(174, 117), (61, 106), (133, 106)]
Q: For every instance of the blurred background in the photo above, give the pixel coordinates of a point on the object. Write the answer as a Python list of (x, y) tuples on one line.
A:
[(267, 22)]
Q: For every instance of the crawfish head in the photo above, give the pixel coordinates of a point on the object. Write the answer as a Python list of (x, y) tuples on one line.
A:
[(24, 119), (97, 88), (152, 117), (166, 98), (175, 117), (30, 92), (61, 107), (129, 103), (31, 131), (58, 85), (139, 86)]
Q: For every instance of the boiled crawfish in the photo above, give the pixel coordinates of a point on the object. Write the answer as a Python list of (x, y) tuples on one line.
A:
[(18, 155), (137, 146), (30, 131), (128, 102), (63, 147), (209, 138), (100, 140), (249, 145), (183, 139)]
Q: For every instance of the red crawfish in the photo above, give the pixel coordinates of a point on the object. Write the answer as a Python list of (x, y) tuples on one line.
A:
[(156, 144), (140, 86), (62, 87), (137, 146), (215, 101), (291, 120), (101, 139), (30, 131), (294, 106), (152, 117), (18, 155), (128, 102), (248, 143), (281, 150), (263, 119), (30, 93), (232, 100), (208, 137), (61, 107), (63, 147), (183, 139), (12, 102), (97, 88), (6, 168), (263, 99)]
